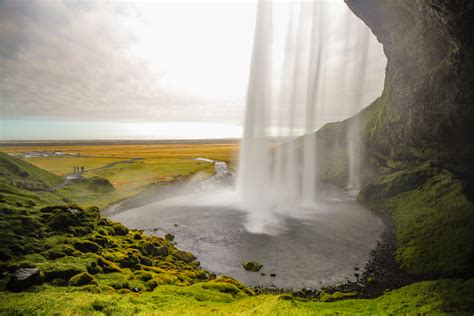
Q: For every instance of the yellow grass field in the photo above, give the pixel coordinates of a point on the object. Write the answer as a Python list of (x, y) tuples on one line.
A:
[(219, 151), (64, 165), (157, 162)]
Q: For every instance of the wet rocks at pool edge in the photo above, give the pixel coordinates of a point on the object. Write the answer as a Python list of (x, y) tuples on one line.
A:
[(253, 266), (169, 237)]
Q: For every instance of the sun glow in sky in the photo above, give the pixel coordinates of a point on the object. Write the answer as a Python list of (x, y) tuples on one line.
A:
[(144, 69)]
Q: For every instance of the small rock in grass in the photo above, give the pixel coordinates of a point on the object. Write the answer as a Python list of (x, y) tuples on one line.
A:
[(253, 266), (23, 278)]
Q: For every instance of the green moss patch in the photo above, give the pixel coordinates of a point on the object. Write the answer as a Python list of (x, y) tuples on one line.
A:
[(434, 220)]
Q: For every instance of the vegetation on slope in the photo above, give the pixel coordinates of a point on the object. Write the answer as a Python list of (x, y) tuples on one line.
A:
[(221, 298), (433, 218), (20, 174)]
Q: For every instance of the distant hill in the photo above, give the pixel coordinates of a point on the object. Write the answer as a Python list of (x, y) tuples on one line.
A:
[(18, 173)]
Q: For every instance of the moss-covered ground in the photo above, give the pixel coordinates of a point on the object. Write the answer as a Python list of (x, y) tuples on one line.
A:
[(434, 219), (214, 298)]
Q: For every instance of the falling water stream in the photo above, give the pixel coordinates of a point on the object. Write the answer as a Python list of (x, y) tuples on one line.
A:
[(278, 171)]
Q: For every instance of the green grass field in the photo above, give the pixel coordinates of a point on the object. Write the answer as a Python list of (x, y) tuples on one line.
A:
[(431, 297)]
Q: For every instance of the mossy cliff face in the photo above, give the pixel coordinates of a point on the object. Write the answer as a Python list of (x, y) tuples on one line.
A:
[(426, 111), (418, 137)]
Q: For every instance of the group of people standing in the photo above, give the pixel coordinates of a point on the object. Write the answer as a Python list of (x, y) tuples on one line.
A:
[(78, 169)]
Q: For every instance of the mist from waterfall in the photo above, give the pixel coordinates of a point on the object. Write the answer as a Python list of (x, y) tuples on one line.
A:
[(309, 67)]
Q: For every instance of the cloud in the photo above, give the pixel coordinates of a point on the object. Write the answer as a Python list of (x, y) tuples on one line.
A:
[(78, 60), (150, 61)]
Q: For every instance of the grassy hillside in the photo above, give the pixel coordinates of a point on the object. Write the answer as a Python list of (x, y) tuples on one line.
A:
[(24, 175), (211, 298)]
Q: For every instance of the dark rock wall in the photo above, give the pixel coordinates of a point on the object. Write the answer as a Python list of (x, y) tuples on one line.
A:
[(426, 111)]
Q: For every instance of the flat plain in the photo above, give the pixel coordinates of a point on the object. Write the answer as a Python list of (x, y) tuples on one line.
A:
[(129, 166)]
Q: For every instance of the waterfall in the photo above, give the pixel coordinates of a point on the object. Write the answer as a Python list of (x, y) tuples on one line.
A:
[(353, 137), (254, 172), (297, 84)]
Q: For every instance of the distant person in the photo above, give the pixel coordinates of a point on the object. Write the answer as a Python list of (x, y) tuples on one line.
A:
[(82, 169)]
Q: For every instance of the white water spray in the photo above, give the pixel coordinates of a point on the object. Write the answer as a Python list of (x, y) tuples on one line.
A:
[(295, 83), (353, 137)]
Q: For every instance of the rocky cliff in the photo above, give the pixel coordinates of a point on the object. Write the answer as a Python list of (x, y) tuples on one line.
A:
[(417, 138), (426, 111)]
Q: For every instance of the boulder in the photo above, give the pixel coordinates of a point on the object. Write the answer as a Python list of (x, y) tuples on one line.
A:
[(169, 237), (86, 246), (253, 266), (131, 261), (119, 229), (184, 256), (153, 250), (23, 278)]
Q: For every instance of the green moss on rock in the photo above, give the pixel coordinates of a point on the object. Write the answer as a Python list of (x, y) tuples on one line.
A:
[(184, 256), (82, 279), (86, 246), (119, 229), (253, 266)]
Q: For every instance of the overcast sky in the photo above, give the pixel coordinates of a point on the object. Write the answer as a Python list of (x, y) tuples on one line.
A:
[(137, 67)]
